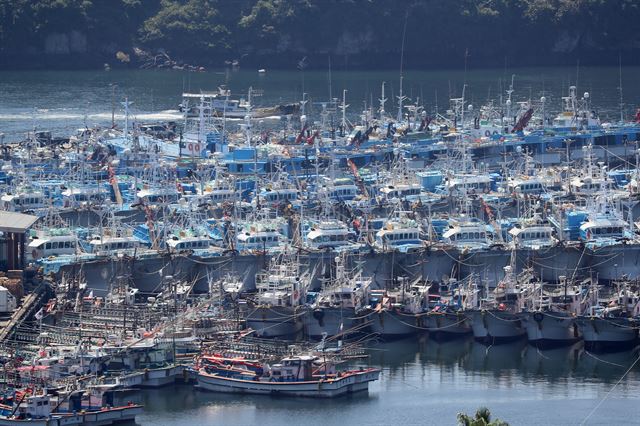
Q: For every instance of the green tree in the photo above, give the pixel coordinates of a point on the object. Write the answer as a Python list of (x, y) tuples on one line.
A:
[(482, 418), (189, 28)]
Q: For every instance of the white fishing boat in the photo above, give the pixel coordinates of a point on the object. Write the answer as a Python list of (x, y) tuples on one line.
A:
[(94, 408), (401, 234), (550, 320), (277, 309), (338, 307), (496, 320), (610, 323), (397, 312), (330, 234)]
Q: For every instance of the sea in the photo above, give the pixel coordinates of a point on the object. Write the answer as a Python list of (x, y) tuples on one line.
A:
[(64, 101), (423, 382)]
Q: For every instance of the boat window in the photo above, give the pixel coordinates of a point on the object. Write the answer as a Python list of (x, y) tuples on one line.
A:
[(465, 235)]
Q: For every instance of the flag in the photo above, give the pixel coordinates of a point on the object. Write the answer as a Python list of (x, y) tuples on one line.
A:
[(40, 314)]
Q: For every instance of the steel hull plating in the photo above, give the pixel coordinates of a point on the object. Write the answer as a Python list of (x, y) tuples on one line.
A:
[(612, 262), (331, 321), (393, 324), (275, 321), (447, 325), (550, 329), (607, 333), (493, 326)]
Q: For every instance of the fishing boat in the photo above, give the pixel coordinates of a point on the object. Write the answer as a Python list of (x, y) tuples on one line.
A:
[(397, 311), (550, 318), (338, 308), (609, 323), (496, 320), (94, 407), (445, 318), (399, 234), (295, 376), (277, 308)]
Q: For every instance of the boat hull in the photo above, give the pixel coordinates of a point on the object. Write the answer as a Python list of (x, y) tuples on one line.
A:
[(394, 324), (550, 329), (493, 327), (275, 321), (607, 334), (615, 261), (446, 325), (91, 418), (331, 321), (329, 388)]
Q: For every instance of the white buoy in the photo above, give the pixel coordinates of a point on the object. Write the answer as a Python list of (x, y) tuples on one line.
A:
[(262, 71)]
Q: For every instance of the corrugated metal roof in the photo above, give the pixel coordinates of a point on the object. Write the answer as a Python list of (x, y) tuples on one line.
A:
[(16, 222)]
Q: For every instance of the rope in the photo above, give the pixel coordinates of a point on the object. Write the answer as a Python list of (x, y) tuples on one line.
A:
[(584, 421), (602, 360), (502, 319)]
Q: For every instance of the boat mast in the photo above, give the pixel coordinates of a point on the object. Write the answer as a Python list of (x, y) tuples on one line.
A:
[(126, 105), (620, 88), (344, 107), (400, 96), (382, 100)]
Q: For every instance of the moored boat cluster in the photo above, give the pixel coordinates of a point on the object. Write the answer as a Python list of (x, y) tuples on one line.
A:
[(175, 251)]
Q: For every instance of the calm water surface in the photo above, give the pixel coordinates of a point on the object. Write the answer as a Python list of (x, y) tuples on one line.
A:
[(63, 101), (427, 383)]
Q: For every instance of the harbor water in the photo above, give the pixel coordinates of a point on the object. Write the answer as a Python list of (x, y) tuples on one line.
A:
[(62, 101), (426, 383)]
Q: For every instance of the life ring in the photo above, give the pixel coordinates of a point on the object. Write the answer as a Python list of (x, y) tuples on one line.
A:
[(487, 133), (495, 132), (190, 147)]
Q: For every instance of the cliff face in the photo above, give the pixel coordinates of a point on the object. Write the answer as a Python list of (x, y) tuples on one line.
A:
[(355, 33), (73, 42)]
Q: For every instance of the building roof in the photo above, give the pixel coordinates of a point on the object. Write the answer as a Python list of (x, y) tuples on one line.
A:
[(16, 222)]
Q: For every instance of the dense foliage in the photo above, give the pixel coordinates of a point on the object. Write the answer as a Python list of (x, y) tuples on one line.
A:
[(353, 32), (482, 418)]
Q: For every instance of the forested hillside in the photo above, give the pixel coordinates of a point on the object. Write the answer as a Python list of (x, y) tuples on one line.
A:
[(279, 33)]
